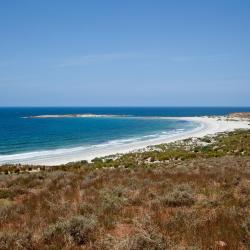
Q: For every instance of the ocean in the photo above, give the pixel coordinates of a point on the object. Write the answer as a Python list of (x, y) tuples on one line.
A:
[(23, 139)]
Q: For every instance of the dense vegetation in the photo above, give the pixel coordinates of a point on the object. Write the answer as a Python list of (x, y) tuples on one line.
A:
[(193, 194)]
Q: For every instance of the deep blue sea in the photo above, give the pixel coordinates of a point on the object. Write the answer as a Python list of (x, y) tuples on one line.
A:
[(19, 135)]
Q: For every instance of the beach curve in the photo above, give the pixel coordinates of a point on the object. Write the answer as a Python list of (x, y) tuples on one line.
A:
[(207, 126)]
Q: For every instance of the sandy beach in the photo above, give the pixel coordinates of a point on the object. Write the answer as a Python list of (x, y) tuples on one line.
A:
[(208, 126)]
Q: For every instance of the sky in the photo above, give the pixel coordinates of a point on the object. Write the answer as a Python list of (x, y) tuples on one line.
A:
[(125, 53)]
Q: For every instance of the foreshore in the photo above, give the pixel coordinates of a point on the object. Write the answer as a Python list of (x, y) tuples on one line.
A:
[(208, 126)]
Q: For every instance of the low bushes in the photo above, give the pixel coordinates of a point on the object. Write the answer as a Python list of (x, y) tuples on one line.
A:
[(15, 240), (146, 236), (182, 195), (78, 228)]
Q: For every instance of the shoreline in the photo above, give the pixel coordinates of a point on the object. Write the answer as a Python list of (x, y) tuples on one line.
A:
[(208, 126)]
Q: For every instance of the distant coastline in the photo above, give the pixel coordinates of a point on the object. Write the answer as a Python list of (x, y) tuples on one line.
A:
[(73, 116)]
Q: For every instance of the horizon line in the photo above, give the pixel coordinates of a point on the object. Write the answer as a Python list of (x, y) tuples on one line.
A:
[(121, 106)]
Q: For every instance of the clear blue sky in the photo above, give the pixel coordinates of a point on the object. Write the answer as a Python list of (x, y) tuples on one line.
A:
[(125, 53)]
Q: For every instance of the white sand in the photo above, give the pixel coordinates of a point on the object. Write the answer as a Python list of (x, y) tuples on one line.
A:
[(209, 126)]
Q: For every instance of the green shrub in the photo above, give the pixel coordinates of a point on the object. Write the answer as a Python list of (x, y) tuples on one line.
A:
[(182, 195), (206, 139), (79, 228), (112, 199), (55, 230)]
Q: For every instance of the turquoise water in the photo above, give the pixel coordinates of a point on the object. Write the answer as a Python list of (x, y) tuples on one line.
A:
[(19, 135)]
